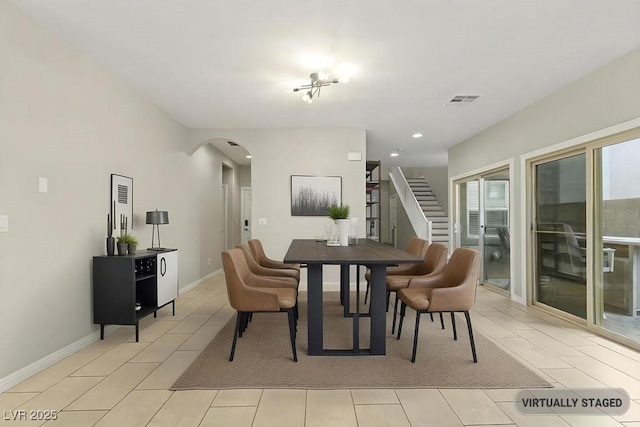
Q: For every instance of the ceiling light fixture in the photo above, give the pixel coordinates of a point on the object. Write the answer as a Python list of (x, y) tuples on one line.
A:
[(395, 154), (248, 156), (417, 135), (318, 81)]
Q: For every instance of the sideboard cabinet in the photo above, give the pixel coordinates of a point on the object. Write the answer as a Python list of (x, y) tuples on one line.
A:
[(129, 287)]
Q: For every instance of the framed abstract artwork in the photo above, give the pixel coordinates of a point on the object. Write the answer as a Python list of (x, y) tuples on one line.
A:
[(312, 195), (121, 203)]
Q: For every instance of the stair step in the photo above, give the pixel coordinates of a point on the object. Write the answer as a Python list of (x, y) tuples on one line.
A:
[(434, 214), (435, 231), (441, 220), (432, 208), (440, 226)]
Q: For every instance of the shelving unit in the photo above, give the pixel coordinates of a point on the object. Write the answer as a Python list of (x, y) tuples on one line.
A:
[(149, 278), (373, 171)]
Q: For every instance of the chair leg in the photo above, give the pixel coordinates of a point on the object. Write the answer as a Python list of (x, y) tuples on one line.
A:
[(415, 337), (403, 309), (366, 293), (235, 337), (245, 322), (473, 345), (453, 325), (292, 333), (431, 315), (395, 315), (388, 298), (441, 321)]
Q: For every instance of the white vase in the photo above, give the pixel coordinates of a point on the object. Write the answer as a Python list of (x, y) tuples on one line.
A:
[(343, 231)]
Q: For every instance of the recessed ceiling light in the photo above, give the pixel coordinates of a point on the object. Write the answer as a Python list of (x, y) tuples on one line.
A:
[(417, 135), (395, 154), (248, 156)]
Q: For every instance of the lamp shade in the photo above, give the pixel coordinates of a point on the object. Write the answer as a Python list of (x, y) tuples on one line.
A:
[(157, 217)]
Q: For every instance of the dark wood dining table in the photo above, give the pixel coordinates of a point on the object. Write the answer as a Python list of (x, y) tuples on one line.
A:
[(377, 256)]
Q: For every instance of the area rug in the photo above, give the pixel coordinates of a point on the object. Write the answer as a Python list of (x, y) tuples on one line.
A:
[(263, 357)]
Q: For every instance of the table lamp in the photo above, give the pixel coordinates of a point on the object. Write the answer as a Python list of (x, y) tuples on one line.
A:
[(156, 218)]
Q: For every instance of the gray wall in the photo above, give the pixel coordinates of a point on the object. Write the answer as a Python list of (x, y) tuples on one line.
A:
[(600, 99), (437, 178), (67, 119)]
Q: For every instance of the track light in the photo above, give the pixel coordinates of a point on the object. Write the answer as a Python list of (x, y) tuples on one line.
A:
[(318, 80)]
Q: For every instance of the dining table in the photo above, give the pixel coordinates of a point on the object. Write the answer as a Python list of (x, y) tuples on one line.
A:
[(367, 252)]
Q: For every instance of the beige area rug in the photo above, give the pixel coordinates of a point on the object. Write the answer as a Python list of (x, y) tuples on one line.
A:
[(263, 357)]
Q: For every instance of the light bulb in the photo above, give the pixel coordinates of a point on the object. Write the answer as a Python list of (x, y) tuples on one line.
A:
[(322, 75), (306, 97), (417, 135)]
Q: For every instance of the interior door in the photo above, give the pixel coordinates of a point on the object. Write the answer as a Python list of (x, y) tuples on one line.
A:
[(393, 219), (245, 214)]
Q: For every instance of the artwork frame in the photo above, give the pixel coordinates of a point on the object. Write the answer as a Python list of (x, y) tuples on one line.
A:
[(121, 203), (312, 195)]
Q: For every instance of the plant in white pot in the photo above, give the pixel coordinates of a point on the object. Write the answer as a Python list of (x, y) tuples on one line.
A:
[(340, 215)]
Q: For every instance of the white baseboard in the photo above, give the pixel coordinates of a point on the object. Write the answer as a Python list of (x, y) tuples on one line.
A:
[(198, 282), (51, 359)]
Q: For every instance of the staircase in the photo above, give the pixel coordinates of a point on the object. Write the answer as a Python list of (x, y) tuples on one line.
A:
[(432, 210)]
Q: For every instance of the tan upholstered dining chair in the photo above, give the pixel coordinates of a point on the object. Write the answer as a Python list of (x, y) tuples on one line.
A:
[(435, 258), (416, 246), (257, 250), (260, 270), (249, 293), (453, 290)]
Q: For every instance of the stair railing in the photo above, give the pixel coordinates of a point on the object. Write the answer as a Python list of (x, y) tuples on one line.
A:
[(421, 225)]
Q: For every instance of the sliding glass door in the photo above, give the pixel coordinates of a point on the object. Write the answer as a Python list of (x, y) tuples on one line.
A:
[(560, 206), (482, 223), (617, 238)]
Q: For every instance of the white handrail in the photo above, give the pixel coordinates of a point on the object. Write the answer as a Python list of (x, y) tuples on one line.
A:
[(421, 225)]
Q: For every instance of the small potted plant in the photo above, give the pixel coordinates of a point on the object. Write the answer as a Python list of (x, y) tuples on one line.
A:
[(127, 243), (340, 215)]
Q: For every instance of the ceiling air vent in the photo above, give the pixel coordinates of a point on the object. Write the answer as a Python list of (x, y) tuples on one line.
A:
[(462, 99), (233, 144)]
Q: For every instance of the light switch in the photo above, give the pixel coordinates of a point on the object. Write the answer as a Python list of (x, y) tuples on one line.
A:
[(262, 221), (43, 184), (4, 223)]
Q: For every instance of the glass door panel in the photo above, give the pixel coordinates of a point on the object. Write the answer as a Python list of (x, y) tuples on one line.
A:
[(495, 230), (560, 234), (617, 238), (468, 230)]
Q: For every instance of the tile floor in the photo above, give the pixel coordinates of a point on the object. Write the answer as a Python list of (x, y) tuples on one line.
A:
[(117, 382)]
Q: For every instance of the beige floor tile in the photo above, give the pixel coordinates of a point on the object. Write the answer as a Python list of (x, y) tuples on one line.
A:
[(632, 424), (240, 416), (108, 362), (590, 421), (191, 324), (185, 310), (633, 414), (481, 307), (201, 338), (569, 335), (531, 420), (163, 377), (184, 408), (532, 353), (607, 375), (238, 397), (76, 419), (9, 401), (136, 409), (222, 317), (381, 416), (374, 396), (112, 389), (573, 378), (53, 374), (154, 330), (160, 349), (330, 408), (61, 394), (489, 327), (426, 408), (619, 348), (549, 344), (475, 407), (519, 315), (281, 408), (118, 336), (210, 307), (613, 358), (506, 321), (502, 394)]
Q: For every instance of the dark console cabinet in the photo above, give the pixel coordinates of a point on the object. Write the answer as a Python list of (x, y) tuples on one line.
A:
[(148, 278)]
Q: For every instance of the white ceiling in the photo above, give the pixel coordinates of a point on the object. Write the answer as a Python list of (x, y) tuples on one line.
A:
[(229, 63)]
